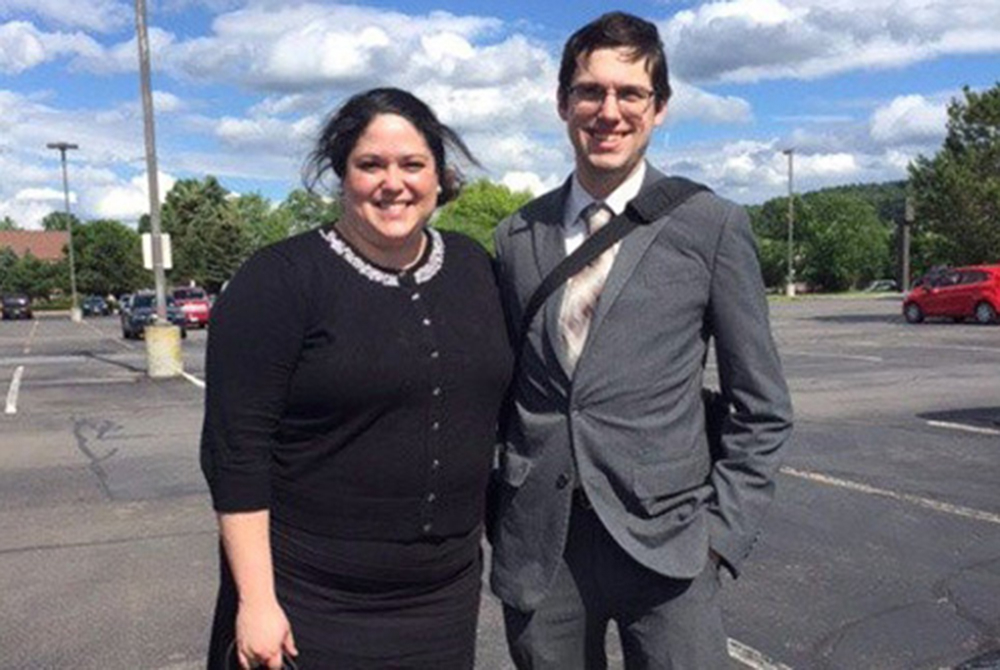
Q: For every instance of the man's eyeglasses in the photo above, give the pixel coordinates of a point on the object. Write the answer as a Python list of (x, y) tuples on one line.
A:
[(633, 100)]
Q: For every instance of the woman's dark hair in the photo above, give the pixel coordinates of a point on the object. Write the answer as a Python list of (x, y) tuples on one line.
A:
[(611, 31), (341, 132)]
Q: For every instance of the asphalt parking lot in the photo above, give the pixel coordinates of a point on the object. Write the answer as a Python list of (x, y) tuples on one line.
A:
[(882, 550)]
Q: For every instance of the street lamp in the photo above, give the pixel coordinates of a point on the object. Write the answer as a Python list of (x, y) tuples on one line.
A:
[(790, 286), (63, 147), (163, 351)]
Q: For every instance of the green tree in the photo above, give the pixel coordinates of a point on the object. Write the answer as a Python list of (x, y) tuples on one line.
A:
[(769, 223), (261, 222), (843, 243), (479, 208), (8, 223), (58, 221), (207, 240), (8, 261), (957, 192), (37, 278), (108, 258), (302, 210)]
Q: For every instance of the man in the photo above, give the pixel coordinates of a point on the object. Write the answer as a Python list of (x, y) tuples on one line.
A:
[(611, 504)]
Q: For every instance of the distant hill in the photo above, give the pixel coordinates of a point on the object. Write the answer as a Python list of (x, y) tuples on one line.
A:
[(888, 198)]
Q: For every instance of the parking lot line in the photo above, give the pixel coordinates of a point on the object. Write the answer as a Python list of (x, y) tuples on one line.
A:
[(194, 380), (752, 658), (14, 390), (31, 336), (964, 426), (104, 336), (929, 503), (814, 354)]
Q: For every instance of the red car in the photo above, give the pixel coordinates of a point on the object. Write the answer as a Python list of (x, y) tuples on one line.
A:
[(194, 304), (957, 293)]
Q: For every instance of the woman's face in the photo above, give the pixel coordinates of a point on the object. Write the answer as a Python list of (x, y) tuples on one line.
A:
[(390, 185)]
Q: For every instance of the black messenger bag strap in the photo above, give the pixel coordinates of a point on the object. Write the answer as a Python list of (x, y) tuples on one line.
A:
[(653, 203)]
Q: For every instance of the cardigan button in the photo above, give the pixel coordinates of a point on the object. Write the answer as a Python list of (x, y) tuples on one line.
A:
[(562, 481), (428, 527)]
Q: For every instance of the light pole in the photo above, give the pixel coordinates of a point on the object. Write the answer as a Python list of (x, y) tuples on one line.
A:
[(790, 286), (163, 351), (63, 147)]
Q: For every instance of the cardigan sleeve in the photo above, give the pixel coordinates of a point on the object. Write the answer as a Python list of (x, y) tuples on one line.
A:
[(254, 343)]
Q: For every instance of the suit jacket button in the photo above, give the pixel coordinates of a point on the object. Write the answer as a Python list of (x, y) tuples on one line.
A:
[(562, 481)]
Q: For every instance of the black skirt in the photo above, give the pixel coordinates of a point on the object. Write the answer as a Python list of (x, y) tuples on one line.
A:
[(394, 614)]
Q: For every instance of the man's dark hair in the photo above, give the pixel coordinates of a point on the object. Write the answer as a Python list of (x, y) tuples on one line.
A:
[(611, 31), (345, 126)]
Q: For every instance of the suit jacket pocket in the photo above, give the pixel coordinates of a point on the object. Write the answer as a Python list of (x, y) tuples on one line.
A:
[(665, 485), (515, 468), (504, 481)]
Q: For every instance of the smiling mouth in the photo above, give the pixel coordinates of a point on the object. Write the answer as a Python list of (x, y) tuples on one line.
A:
[(605, 137), (392, 206)]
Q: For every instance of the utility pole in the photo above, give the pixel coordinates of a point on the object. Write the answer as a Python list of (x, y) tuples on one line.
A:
[(163, 352), (74, 310), (790, 285), (904, 245)]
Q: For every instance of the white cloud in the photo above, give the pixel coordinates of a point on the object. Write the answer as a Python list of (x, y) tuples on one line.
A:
[(909, 119), (128, 202), (43, 195), (691, 103), (95, 15), (750, 40), (528, 181), (23, 46)]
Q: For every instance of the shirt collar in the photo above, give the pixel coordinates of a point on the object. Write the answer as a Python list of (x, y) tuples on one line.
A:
[(579, 199)]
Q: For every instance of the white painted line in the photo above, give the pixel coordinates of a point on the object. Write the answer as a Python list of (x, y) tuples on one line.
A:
[(851, 357), (962, 426), (31, 336), (750, 657), (929, 503), (15, 389), (84, 381), (194, 380)]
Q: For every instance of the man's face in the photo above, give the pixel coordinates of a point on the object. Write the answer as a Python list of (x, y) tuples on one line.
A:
[(609, 135)]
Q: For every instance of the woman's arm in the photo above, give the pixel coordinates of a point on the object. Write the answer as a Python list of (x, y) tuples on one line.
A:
[(263, 633)]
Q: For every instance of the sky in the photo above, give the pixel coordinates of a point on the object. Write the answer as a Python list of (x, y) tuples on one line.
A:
[(857, 88)]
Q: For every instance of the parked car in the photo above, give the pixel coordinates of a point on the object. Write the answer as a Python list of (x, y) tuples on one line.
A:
[(956, 293), (95, 305), (17, 306), (882, 286), (141, 312), (195, 304)]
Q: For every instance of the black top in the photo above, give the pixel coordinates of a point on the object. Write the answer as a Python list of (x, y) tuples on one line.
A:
[(353, 402)]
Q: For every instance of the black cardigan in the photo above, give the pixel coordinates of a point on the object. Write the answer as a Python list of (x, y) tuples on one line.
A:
[(351, 408)]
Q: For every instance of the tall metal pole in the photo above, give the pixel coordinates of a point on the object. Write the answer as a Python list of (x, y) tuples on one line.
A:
[(163, 350), (159, 277), (904, 245), (63, 147), (790, 286)]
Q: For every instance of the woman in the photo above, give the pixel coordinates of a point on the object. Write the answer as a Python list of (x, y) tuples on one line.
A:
[(354, 378)]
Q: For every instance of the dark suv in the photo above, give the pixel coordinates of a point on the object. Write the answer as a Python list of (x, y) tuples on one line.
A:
[(141, 312), (17, 306)]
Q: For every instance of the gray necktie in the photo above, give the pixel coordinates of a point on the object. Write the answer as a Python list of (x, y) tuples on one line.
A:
[(584, 289)]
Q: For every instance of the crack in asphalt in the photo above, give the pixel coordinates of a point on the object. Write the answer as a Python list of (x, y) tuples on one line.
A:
[(85, 431)]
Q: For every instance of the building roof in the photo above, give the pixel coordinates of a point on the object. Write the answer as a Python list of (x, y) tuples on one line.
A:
[(43, 245)]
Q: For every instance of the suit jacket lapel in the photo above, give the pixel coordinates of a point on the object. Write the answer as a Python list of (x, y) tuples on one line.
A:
[(550, 250)]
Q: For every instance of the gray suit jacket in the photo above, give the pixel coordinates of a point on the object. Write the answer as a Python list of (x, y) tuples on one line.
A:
[(628, 426)]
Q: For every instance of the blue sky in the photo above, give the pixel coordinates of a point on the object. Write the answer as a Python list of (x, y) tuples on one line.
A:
[(857, 87)]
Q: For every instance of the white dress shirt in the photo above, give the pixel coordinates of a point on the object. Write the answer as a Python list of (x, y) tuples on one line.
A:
[(574, 229)]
